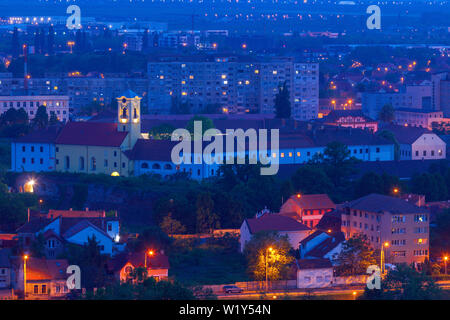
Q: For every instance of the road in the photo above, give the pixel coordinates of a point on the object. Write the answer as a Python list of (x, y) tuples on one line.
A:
[(351, 293)]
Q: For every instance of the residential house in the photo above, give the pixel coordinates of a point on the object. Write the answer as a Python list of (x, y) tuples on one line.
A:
[(284, 226), (123, 265), (5, 268), (60, 228), (45, 279), (403, 226), (307, 208), (321, 245), (314, 273)]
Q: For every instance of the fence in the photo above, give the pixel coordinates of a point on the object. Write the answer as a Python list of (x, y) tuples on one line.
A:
[(256, 285)]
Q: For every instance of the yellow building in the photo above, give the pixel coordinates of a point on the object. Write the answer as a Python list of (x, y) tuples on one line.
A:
[(93, 147)]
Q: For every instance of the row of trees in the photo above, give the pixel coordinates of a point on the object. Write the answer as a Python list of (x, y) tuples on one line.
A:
[(15, 122)]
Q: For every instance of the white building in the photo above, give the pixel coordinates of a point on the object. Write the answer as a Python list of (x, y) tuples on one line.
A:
[(419, 117), (314, 273), (57, 105), (418, 143), (34, 152)]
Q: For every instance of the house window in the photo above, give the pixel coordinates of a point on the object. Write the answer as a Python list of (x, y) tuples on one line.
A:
[(23, 148), (35, 289), (44, 289), (67, 162), (109, 227), (93, 164), (81, 163)]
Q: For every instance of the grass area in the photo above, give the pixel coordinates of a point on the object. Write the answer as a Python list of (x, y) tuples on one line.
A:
[(204, 264)]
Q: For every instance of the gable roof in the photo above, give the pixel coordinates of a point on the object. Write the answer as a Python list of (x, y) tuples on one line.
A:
[(47, 135), (128, 94), (34, 225), (137, 259), (381, 203), (314, 264), (274, 222), (75, 214), (406, 135), (91, 134), (80, 226), (43, 269), (313, 201), (327, 245)]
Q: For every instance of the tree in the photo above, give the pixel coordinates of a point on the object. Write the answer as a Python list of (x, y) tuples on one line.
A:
[(356, 256), (207, 123), (387, 113), (53, 119), (40, 120), (405, 283), (283, 102), (258, 254), (207, 220), (310, 180), (172, 226), (369, 183), (162, 131), (388, 135)]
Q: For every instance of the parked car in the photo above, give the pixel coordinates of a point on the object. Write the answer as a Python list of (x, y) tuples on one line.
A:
[(232, 289)]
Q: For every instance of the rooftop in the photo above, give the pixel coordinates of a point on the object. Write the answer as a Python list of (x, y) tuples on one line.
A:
[(91, 134), (274, 222), (381, 203)]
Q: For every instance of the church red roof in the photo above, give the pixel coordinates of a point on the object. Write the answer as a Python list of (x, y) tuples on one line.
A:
[(91, 134)]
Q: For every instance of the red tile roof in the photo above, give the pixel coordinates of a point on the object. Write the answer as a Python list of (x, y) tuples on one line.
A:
[(91, 134), (47, 135), (314, 201), (275, 222), (43, 269), (314, 264), (75, 214)]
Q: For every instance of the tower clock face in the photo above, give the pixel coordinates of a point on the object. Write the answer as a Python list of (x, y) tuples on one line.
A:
[(124, 100)]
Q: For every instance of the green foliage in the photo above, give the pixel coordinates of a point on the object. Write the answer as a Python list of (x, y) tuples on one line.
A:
[(13, 208), (40, 120), (261, 259), (356, 256), (149, 289), (216, 261), (405, 283), (432, 185), (391, 137), (372, 182), (387, 113), (151, 238), (311, 179), (172, 226), (207, 220), (161, 132), (206, 124), (283, 102)]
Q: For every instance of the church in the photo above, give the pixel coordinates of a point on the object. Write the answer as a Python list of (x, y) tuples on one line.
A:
[(83, 147)]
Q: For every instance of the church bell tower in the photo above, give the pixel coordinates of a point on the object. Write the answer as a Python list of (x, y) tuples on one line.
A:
[(129, 116)]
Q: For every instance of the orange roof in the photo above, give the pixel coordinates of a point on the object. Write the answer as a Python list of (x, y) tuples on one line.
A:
[(314, 201), (274, 222), (43, 269)]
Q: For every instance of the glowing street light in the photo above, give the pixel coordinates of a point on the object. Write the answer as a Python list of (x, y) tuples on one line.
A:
[(396, 190), (150, 253), (445, 262), (299, 195), (269, 249), (25, 258), (382, 255)]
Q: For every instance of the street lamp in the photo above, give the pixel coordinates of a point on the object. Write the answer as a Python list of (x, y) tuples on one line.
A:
[(150, 253), (25, 258), (445, 262), (395, 191), (270, 249), (382, 258), (299, 195)]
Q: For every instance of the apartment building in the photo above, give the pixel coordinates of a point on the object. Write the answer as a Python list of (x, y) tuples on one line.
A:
[(441, 93), (55, 105), (81, 90), (235, 85), (419, 117), (403, 226)]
